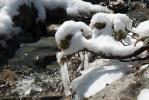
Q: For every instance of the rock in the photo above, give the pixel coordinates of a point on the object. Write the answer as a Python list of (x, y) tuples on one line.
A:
[(139, 16), (32, 30), (37, 61), (127, 88), (56, 97), (56, 16), (59, 15), (26, 18), (7, 81), (52, 28), (137, 5), (37, 54), (118, 7), (8, 46), (94, 1)]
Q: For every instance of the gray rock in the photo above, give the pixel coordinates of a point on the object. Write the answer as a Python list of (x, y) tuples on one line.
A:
[(52, 28), (32, 30), (127, 88), (36, 61), (38, 54), (118, 7), (139, 15)]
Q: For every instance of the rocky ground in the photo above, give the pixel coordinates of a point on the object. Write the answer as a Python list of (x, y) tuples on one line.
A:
[(28, 61)]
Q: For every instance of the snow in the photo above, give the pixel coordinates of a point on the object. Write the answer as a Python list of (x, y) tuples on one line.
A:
[(108, 46), (5, 23), (118, 22), (142, 29), (98, 76), (104, 43), (122, 21), (102, 18), (75, 7), (75, 29), (9, 9), (144, 94), (2, 4)]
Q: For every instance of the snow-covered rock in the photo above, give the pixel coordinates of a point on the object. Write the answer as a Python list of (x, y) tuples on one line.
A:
[(9, 9)]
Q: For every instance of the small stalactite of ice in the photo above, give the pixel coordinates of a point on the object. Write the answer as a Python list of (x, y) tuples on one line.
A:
[(86, 63), (84, 60), (65, 79)]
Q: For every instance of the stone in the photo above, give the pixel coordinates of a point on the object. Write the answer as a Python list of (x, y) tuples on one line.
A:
[(37, 54), (118, 7), (52, 28), (139, 16)]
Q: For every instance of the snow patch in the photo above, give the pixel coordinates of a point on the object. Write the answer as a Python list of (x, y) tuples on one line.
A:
[(144, 94), (98, 77)]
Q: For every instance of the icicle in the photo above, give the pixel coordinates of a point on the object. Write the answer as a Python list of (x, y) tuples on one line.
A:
[(86, 63), (65, 79)]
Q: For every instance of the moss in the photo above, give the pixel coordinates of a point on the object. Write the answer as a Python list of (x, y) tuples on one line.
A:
[(85, 98), (119, 35), (100, 25), (64, 44)]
